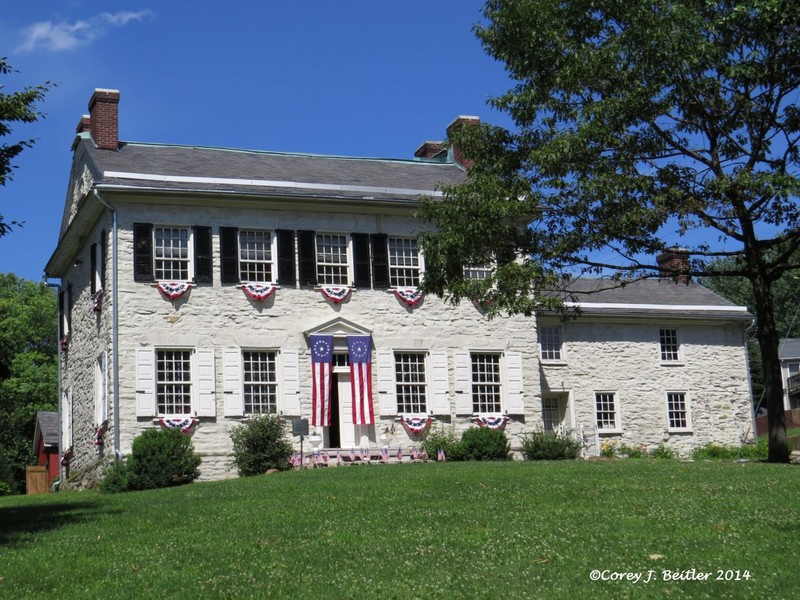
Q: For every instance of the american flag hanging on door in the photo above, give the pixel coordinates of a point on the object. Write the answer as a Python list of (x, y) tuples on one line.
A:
[(321, 379), (360, 348)]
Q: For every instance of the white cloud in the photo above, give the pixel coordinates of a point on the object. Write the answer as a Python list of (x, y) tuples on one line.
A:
[(69, 36)]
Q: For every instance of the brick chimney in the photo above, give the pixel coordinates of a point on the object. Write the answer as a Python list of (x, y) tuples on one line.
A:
[(429, 149), (104, 119), (85, 124), (459, 122), (673, 263)]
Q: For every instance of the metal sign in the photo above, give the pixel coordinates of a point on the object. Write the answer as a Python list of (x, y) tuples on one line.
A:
[(299, 426)]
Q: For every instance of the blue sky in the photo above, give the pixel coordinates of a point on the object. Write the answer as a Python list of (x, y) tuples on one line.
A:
[(356, 78)]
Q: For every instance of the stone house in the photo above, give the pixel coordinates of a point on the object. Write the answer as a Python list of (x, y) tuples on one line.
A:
[(789, 355), (203, 285)]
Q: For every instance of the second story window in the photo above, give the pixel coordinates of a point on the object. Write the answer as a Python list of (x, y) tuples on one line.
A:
[(255, 256), (669, 346), (332, 264), (171, 253), (550, 343), (404, 264)]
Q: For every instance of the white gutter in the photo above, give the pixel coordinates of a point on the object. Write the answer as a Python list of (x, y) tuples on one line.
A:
[(666, 307), (114, 320)]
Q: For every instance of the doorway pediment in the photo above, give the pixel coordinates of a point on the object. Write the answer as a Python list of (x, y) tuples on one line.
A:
[(338, 328)]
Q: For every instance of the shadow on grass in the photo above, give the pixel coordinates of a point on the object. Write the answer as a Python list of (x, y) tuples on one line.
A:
[(16, 521)]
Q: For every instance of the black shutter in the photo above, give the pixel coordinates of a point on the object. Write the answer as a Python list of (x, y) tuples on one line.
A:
[(380, 260), (307, 250), (361, 260), (93, 267), (202, 255), (143, 252), (68, 307), (229, 254), (286, 264), (62, 315), (103, 244)]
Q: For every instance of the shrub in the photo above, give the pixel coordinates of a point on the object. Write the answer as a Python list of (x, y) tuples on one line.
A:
[(482, 443), (116, 479), (161, 458), (662, 452), (713, 451), (259, 445), (757, 451), (5, 489), (631, 451), (549, 445), (608, 449), (444, 439)]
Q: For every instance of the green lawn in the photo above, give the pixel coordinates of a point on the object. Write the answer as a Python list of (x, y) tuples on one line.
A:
[(454, 530)]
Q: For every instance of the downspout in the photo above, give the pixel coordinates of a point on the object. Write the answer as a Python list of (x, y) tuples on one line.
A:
[(114, 320), (57, 287)]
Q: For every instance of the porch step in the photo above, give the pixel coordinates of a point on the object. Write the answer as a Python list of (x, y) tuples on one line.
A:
[(334, 457)]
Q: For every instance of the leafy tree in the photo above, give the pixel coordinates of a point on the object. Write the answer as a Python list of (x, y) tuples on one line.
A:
[(16, 107), (638, 126), (28, 367)]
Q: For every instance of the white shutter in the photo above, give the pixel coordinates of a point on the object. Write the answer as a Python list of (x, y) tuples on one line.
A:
[(387, 392), (104, 407), (145, 383), (514, 400), (232, 382), (205, 388), (290, 360), (463, 376), (66, 420), (439, 387), (101, 389)]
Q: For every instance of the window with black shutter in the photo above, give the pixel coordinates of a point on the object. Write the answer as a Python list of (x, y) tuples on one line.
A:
[(229, 254), (380, 260), (286, 262), (202, 254), (143, 252), (307, 252), (361, 260)]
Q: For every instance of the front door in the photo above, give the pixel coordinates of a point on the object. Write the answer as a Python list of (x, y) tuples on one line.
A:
[(350, 435)]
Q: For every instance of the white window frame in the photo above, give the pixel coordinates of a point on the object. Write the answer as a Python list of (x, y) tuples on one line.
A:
[(399, 274), (188, 261), (553, 417), (477, 272), (480, 405), (670, 350), (323, 277), (405, 388), (271, 262), (617, 425), (269, 388), (546, 345), (686, 410), (187, 384)]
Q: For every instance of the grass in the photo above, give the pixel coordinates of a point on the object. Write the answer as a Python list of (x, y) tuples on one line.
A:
[(468, 530)]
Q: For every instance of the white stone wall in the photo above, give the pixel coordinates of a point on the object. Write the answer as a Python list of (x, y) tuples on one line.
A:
[(623, 357)]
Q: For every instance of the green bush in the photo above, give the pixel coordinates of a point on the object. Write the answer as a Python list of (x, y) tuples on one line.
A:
[(662, 452), (116, 479), (482, 443), (259, 444), (631, 451), (549, 445), (161, 458), (756, 451), (445, 439)]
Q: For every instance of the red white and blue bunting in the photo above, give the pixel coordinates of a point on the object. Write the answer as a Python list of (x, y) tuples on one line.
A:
[(173, 289), (335, 294), (491, 421), (184, 425), (416, 425), (411, 296), (258, 291)]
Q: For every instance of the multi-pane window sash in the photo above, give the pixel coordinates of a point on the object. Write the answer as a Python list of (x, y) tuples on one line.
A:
[(486, 392), (404, 265), (677, 412), (255, 256), (668, 341), (550, 342), (606, 410), (332, 268), (171, 252), (411, 384), (174, 382), (477, 272), (551, 413), (260, 382)]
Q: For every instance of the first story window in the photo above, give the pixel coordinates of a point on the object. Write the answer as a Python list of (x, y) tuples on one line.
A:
[(259, 369), (486, 383), (668, 345), (404, 265), (411, 383), (332, 263), (550, 342), (174, 382), (552, 413), (606, 410), (678, 411)]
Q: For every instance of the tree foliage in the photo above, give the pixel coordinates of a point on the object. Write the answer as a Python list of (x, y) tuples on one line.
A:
[(28, 367), (17, 107), (638, 126)]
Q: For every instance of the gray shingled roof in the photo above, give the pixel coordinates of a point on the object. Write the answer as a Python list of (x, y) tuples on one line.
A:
[(650, 297), (246, 171), (47, 423), (789, 348)]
